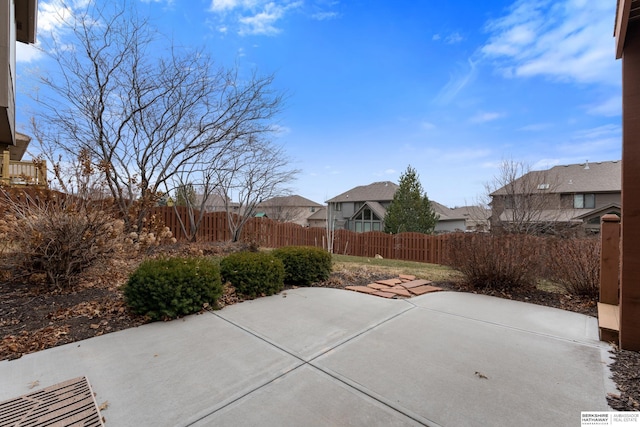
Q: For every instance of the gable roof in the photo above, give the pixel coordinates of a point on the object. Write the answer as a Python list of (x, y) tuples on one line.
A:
[(615, 207), (378, 191), (596, 177), (319, 215), (293, 201), (375, 207)]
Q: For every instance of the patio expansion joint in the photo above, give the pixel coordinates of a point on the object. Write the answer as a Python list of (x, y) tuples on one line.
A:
[(594, 344), (309, 362)]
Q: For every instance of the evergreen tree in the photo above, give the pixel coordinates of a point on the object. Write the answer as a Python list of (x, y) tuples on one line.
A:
[(185, 195), (410, 209)]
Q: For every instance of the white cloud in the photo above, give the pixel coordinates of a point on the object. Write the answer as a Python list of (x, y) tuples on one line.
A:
[(224, 5), (599, 143), (427, 125), (486, 117), (254, 17), (536, 127), (609, 108), (27, 53), (325, 16), (54, 17), (568, 40), (454, 38), (435, 37), (464, 75)]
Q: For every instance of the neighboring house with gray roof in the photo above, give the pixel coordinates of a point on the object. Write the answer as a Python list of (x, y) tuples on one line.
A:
[(294, 208), (364, 208), (318, 218), (465, 218), (563, 196)]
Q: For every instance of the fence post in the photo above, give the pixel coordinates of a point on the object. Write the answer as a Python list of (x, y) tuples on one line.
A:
[(609, 259)]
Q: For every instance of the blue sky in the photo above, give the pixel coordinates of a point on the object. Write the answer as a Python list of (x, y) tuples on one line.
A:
[(450, 88)]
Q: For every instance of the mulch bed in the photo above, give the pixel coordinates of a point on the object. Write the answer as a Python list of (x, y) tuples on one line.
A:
[(33, 319)]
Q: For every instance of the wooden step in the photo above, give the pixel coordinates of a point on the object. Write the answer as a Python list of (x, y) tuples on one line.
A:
[(608, 322)]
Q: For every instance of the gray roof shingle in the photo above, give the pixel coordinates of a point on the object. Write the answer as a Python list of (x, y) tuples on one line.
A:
[(376, 192), (596, 177)]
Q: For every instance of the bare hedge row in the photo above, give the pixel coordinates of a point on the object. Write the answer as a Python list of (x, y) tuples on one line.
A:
[(508, 261)]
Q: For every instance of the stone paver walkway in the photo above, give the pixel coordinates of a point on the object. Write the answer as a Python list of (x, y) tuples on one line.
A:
[(405, 286)]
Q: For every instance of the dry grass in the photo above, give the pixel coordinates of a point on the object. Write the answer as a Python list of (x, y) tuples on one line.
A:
[(363, 265)]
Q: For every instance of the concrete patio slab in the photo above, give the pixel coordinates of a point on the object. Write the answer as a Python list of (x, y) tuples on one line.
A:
[(307, 397), (459, 371), (310, 321), (515, 314), (315, 356), (159, 374)]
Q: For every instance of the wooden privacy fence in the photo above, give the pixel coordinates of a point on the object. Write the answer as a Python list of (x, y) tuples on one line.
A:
[(268, 233)]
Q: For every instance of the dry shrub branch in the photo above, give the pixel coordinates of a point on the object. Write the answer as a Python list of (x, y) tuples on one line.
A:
[(57, 239), (575, 265)]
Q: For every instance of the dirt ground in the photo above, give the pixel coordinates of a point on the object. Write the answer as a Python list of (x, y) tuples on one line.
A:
[(33, 319)]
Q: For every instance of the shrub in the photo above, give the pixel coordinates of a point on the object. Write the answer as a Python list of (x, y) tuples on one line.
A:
[(166, 288), (253, 273), (304, 265), (499, 262), (575, 265), (56, 238)]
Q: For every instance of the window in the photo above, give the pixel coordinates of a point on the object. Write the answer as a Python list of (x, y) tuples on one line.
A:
[(312, 209), (367, 220), (584, 201), (337, 207)]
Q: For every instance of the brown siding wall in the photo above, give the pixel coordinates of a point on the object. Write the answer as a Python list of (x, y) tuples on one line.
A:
[(630, 277)]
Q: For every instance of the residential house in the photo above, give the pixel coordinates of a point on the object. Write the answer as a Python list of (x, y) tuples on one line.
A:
[(294, 208), (217, 203), (318, 218), (465, 218), (563, 197), (17, 23), (362, 208)]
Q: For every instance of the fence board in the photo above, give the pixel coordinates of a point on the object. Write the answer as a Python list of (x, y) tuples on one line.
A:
[(268, 233)]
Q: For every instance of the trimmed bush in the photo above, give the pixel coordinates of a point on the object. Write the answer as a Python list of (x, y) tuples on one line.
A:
[(497, 261), (171, 287), (304, 265), (253, 273)]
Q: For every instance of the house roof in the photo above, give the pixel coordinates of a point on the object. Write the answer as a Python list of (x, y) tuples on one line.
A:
[(626, 11), (615, 207), (293, 201), (548, 215), (319, 215), (375, 207), (26, 15), (378, 191), (596, 177), (472, 212)]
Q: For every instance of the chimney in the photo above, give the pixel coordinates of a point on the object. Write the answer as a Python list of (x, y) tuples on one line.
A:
[(586, 164)]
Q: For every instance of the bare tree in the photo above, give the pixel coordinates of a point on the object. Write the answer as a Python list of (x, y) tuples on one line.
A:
[(258, 172), (144, 111), (523, 200)]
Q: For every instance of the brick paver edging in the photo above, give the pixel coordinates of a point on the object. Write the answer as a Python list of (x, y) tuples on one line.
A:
[(405, 286)]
